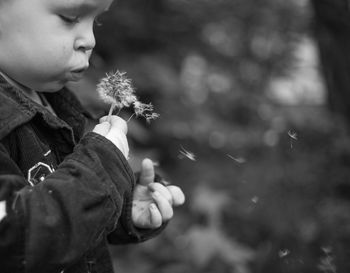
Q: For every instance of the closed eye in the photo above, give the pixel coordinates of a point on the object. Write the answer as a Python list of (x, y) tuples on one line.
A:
[(70, 19)]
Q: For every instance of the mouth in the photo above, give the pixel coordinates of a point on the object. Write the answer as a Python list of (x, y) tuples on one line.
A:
[(77, 74), (80, 70)]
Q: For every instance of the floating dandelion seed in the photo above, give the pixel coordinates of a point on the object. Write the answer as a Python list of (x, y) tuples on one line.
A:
[(116, 89), (283, 253), (187, 154), (239, 160), (293, 136), (327, 249), (255, 199)]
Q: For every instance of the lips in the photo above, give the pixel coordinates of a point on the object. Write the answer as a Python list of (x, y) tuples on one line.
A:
[(81, 70), (77, 74)]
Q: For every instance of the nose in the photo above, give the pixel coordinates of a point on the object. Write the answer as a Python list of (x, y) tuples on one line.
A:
[(85, 39)]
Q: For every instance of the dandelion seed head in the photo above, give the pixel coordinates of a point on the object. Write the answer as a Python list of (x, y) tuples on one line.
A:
[(116, 89), (145, 110), (152, 116), (140, 108)]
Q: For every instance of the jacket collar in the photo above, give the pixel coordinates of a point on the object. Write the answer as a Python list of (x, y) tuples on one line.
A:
[(16, 109)]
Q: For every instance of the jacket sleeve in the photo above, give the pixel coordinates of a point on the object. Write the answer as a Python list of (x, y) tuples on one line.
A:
[(54, 223)]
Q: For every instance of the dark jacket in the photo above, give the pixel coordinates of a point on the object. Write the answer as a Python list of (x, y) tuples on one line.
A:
[(67, 195)]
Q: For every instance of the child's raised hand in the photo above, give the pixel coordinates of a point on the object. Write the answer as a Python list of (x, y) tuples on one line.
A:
[(115, 130), (153, 202)]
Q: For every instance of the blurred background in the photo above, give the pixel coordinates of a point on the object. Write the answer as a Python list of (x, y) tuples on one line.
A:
[(253, 97)]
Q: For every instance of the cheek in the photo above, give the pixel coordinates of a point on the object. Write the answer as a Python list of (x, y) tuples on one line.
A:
[(57, 52), (54, 42)]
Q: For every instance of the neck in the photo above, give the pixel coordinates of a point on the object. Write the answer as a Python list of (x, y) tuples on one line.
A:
[(32, 94)]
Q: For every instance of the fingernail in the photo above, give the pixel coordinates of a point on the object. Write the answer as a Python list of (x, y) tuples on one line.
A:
[(153, 206)]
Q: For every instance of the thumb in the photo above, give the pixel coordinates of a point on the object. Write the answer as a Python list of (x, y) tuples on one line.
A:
[(102, 128), (147, 172), (116, 122)]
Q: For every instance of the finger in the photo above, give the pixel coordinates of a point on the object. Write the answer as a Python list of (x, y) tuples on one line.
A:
[(177, 194), (102, 128), (147, 172), (162, 190), (156, 217), (116, 122), (103, 119), (163, 205)]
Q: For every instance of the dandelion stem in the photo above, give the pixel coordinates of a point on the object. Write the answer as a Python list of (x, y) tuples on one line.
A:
[(130, 117), (111, 111)]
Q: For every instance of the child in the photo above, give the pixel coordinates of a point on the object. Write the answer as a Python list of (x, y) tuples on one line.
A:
[(67, 194)]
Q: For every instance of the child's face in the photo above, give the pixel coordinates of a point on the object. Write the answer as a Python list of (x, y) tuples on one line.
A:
[(45, 43)]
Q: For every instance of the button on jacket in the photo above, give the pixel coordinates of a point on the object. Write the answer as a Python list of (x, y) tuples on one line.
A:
[(66, 194)]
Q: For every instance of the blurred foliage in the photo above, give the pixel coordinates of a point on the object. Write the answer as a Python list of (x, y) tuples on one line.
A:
[(266, 183)]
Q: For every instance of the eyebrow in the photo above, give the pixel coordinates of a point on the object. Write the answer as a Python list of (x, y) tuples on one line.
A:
[(81, 6)]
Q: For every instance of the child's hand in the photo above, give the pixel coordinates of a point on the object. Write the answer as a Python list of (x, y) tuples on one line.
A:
[(153, 202), (115, 131)]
